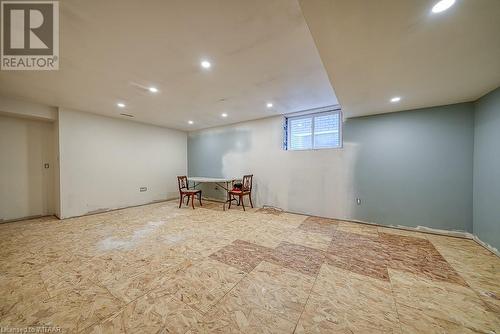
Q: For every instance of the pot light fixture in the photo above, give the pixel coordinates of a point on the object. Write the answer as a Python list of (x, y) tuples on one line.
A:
[(269, 105), (205, 64), (190, 122), (224, 115), (396, 99), (121, 105), (442, 5), (153, 89)]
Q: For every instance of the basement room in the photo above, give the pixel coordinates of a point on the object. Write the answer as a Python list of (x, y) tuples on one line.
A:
[(247, 167)]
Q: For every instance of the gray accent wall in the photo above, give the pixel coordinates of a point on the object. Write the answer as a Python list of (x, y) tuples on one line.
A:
[(487, 169), (412, 168)]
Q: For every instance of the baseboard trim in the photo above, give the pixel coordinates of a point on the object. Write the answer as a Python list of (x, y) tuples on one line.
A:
[(446, 233), (486, 245), (26, 218), (420, 229), (97, 212)]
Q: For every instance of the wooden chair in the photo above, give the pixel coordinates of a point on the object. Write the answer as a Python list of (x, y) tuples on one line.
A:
[(184, 190), (246, 189)]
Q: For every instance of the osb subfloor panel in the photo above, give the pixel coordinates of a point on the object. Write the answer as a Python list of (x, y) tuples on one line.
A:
[(161, 269)]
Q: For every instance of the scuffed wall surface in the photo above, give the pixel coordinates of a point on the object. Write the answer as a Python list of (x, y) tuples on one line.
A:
[(409, 168), (313, 182)]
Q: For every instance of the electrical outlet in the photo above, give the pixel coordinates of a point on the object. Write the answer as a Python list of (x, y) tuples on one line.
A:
[(141, 189), (46, 166), (358, 201)]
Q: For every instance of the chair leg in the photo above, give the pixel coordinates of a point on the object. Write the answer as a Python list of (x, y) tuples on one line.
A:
[(250, 198), (192, 202), (199, 198), (242, 202), (180, 202), (230, 201), (188, 197)]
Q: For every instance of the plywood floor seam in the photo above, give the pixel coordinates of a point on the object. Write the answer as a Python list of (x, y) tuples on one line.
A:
[(304, 308), (161, 269)]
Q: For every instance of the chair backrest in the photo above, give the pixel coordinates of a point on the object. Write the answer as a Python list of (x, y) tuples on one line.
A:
[(247, 183), (182, 181)]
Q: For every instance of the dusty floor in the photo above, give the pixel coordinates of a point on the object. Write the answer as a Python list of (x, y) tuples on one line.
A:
[(158, 268)]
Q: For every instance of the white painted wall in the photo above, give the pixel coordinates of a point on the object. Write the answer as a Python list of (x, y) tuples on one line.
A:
[(104, 161), (26, 187), (317, 182)]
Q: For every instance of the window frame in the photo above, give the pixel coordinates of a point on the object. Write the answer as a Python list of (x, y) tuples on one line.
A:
[(312, 116)]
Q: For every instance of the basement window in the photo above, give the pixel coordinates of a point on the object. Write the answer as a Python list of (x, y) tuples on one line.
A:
[(313, 131)]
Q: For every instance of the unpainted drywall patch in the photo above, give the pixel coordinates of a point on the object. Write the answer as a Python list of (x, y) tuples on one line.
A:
[(207, 149)]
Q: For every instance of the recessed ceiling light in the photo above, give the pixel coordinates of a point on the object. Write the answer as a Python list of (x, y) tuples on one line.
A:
[(121, 105), (224, 115), (153, 89), (442, 5), (205, 64), (190, 122), (395, 99), (269, 105)]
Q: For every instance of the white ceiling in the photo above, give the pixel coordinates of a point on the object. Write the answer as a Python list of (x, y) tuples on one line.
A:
[(374, 50), (260, 50)]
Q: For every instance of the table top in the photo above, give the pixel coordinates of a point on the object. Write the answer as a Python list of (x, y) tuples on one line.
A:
[(210, 179)]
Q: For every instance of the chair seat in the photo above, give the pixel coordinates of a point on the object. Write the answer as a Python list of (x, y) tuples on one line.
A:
[(238, 192), (190, 191)]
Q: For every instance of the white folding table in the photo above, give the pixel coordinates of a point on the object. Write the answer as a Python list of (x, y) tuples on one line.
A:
[(224, 183)]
